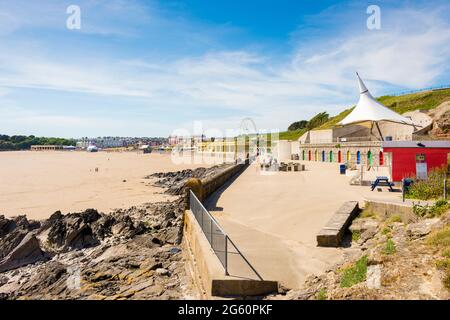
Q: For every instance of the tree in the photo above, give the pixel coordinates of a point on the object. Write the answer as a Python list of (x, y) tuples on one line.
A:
[(317, 120), (298, 125)]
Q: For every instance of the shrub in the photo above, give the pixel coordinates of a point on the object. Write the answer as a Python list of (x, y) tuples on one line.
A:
[(355, 274), (436, 210), (432, 188), (440, 207)]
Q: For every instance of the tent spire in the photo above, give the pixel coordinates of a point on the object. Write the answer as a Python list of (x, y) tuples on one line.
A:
[(362, 87), (368, 109)]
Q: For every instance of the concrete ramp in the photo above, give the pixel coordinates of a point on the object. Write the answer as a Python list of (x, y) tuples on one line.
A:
[(207, 272)]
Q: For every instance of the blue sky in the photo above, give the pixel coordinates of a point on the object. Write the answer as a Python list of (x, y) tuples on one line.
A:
[(150, 68)]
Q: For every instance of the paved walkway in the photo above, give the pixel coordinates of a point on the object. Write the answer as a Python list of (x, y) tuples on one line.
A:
[(274, 219)]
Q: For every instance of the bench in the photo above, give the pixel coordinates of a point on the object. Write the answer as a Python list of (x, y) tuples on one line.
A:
[(382, 181)]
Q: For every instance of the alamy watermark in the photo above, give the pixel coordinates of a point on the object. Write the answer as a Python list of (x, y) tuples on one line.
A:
[(374, 20), (73, 281), (244, 144), (73, 22)]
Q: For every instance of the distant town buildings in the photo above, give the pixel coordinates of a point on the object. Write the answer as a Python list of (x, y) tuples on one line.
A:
[(187, 141), (118, 142)]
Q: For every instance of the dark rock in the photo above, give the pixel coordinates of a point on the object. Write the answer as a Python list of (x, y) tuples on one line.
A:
[(174, 181), (156, 240), (28, 251), (174, 250), (3, 280), (74, 231), (12, 232), (43, 280), (6, 226)]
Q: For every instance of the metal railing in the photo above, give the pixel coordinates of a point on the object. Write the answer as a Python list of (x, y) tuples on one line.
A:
[(434, 88), (216, 236)]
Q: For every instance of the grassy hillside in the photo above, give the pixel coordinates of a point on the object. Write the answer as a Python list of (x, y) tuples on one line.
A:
[(409, 102), (292, 135)]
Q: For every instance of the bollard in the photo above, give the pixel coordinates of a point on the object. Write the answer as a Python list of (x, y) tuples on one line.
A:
[(403, 189)]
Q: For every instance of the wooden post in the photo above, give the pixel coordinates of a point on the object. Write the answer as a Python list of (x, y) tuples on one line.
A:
[(445, 188)]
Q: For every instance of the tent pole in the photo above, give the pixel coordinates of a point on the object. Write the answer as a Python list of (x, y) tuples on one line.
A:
[(379, 131)]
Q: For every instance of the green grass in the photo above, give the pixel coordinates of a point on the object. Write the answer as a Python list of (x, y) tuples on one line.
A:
[(389, 248), (446, 253), (444, 265), (292, 135), (354, 274), (386, 231), (416, 101), (367, 213), (322, 294), (356, 235), (394, 218), (440, 238), (334, 120)]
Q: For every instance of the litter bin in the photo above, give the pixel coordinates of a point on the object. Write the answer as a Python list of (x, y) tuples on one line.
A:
[(407, 183), (342, 168)]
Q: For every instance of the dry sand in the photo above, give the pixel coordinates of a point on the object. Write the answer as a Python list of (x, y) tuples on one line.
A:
[(39, 183), (274, 219)]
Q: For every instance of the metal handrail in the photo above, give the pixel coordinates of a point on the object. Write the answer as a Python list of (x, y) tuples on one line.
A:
[(195, 202)]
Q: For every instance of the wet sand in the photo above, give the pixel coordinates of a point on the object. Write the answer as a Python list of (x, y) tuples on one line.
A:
[(39, 183)]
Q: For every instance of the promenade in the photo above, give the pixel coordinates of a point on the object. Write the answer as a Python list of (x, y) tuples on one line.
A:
[(274, 218)]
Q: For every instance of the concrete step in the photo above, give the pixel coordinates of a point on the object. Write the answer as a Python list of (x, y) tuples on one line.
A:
[(331, 235)]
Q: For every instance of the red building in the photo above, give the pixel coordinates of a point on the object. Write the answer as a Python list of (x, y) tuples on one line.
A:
[(415, 158)]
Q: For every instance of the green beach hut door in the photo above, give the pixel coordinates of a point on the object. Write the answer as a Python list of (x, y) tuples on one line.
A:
[(369, 158)]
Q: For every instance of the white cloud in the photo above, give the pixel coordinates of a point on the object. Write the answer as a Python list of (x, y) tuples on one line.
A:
[(318, 76)]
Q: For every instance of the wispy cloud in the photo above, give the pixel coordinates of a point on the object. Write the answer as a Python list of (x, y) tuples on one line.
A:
[(316, 75)]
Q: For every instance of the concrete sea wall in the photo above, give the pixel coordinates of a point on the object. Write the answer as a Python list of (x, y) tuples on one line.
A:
[(207, 272)]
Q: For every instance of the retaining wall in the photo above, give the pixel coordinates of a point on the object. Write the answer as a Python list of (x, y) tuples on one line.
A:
[(215, 182), (209, 275), (386, 209)]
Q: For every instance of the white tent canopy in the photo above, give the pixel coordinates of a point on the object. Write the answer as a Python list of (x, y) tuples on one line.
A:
[(370, 110)]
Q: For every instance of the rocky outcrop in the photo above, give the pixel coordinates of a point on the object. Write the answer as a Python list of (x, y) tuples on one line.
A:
[(398, 261), (28, 251), (73, 231), (174, 182), (422, 228), (441, 118), (364, 229), (130, 253), (13, 231)]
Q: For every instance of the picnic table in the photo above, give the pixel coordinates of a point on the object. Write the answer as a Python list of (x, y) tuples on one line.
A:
[(382, 181)]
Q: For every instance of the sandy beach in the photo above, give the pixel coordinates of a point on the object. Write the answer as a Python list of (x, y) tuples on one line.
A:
[(39, 183), (274, 219)]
